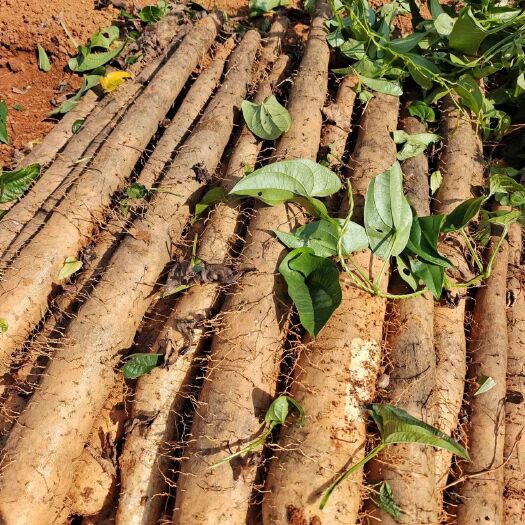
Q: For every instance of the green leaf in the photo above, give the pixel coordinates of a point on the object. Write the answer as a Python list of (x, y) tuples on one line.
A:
[(422, 110), (468, 89), (4, 325), (387, 215), (268, 120), (354, 49), (87, 61), (382, 85), (280, 408), (43, 60), (407, 43), (258, 7), (13, 184), (423, 239), (460, 216), (504, 217), (485, 383), (413, 144), (322, 236), (435, 181), (18, 107), (3, 123), (423, 71), (309, 7), (137, 191), (139, 364), (335, 38), (431, 274), (385, 500), (89, 82), (211, 197), (506, 190), (284, 181), (435, 9), (397, 426), (105, 37), (444, 24), (77, 125), (71, 266), (313, 285), (153, 13), (405, 273), (467, 34)]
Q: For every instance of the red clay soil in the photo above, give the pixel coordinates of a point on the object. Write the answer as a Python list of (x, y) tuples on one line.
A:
[(23, 25)]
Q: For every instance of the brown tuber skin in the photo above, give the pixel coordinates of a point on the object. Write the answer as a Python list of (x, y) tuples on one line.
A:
[(335, 374), (145, 459), (94, 481), (79, 151), (514, 451), (62, 411), (461, 154), (34, 274), (481, 496), (246, 351), (409, 469)]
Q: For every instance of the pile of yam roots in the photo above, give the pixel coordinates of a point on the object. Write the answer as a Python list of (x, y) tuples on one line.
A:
[(81, 445)]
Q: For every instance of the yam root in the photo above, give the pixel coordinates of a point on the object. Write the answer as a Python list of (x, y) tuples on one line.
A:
[(67, 398), (409, 469), (514, 452), (145, 458), (461, 154), (335, 374), (481, 494), (246, 350)]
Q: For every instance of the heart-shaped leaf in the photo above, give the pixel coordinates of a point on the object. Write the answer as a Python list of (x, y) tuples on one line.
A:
[(87, 61), (460, 216), (467, 34), (413, 145), (382, 85), (283, 181), (431, 274), (139, 364), (105, 37), (323, 236), (422, 110), (268, 120), (387, 215), (423, 239), (280, 408), (313, 285)]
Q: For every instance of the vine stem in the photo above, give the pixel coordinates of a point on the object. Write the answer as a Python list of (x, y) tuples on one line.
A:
[(471, 250), (374, 452), (248, 448)]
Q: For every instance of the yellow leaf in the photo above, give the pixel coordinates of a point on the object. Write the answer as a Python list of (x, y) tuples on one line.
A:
[(112, 80)]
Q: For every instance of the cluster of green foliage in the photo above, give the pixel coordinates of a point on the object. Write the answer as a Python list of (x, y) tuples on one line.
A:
[(391, 230), (13, 184), (448, 54)]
